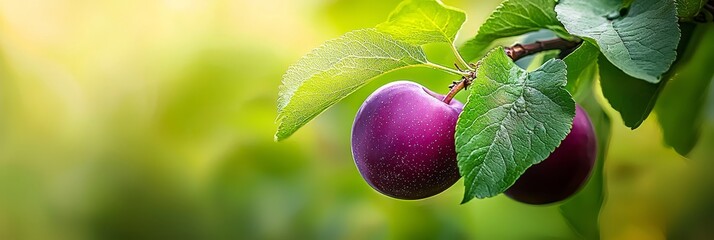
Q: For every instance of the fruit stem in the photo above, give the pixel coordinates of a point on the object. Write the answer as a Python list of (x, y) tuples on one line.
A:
[(515, 52), (454, 90), (462, 84)]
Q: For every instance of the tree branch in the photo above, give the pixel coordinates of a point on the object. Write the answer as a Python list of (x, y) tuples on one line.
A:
[(519, 51)]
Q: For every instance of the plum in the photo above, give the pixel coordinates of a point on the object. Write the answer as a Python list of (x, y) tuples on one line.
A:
[(564, 171), (403, 141)]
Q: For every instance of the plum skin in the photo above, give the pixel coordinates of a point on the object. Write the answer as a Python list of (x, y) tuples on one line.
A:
[(403, 141), (566, 169)]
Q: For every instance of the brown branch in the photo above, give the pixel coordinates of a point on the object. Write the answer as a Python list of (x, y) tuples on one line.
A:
[(515, 52), (519, 51)]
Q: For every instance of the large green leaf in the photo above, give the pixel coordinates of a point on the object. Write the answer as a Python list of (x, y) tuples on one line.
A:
[(631, 97), (687, 9), (420, 22), (513, 18), (641, 40), (512, 120), (334, 70), (582, 211), (679, 109)]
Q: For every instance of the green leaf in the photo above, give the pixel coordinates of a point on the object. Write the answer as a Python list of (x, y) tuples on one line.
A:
[(631, 97), (679, 108), (635, 99), (580, 65), (582, 211), (513, 18), (512, 120), (627, 3), (419, 22), (687, 9), (640, 41), (336, 69)]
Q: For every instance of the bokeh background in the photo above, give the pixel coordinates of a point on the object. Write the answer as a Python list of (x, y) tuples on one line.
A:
[(136, 119)]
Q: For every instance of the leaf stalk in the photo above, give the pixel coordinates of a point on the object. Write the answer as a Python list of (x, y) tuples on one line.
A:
[(445, 69), (459, 58)]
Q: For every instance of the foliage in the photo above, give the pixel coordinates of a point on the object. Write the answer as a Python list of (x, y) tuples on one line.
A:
[(335, 70), (514, 118), (641, 39)]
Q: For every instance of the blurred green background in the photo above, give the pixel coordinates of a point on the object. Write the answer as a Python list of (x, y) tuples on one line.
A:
[(139, 119)]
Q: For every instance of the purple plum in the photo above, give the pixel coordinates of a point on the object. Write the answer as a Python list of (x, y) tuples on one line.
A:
[(564, 171), (403, 141)]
